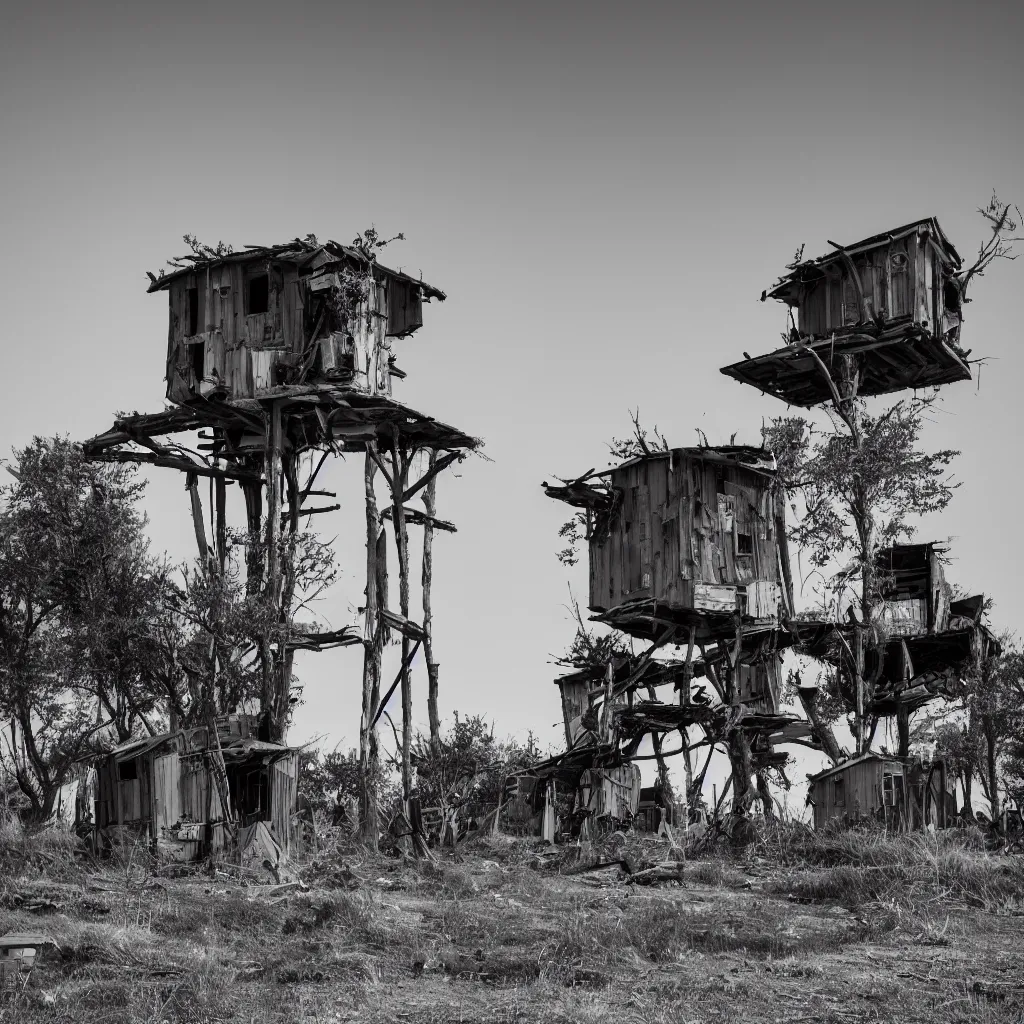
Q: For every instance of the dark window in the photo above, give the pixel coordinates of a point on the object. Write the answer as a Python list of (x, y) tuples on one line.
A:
[(840, 792), (193, 311), (198, 357), (127, 770), (744, 544), (258, 294)]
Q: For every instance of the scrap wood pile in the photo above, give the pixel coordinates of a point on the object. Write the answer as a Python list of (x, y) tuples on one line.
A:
[(629, 858)]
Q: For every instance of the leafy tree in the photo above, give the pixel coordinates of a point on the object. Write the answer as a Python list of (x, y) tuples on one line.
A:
[(995, 706), (861, 483), (465, 772), (863, 478), (67, 533), (958, 744), (214, 629)]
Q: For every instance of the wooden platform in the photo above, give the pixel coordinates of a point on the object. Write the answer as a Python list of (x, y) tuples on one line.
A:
[(314, 415), (900, 357)]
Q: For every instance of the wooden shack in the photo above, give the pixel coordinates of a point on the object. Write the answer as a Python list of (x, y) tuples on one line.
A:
[(243, 323), (891, 301), (927, 642), (914, 592), (691, 536), (162, 790), (901, 792), (552, 800)]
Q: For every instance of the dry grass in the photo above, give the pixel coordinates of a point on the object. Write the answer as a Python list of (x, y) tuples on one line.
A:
[(905, 929)]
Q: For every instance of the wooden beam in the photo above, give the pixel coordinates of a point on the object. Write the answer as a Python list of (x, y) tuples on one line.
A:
[(192, 486), (439, 466), (176, 462), (415, 517)]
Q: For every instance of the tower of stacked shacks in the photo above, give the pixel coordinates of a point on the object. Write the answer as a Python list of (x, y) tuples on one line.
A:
[(281, 356), (688, 551), (875, 318)]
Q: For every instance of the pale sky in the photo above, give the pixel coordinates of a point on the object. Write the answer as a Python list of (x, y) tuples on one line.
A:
[(602, 190)]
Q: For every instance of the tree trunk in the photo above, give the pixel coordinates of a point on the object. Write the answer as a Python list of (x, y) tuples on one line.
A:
[(903, 731), (968, 779), (687, 768), (742, 772), (858, 682), (827, 738), (766, 796), (992, 765), (273, 544), (285, 655), (428, 617), (738, 743), (253, 494), (659, 757), (373, 646)]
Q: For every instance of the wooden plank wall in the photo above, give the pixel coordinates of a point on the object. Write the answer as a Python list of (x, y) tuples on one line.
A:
[(194, 789), (915, 289), (680, 522), (574, 703), (166, 792), (759, 686), (243, 350), (862, 792), (284, 777), (938, 599)]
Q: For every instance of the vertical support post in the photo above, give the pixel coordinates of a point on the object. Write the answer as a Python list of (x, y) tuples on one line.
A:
[(274, 488), (858, 668), (192, 484), (220, 500), (428, 618), (272, 471), (685, 685), (400, 479), (253, 493), (606, 707), (373, 645), (656, 741), (687, 767)]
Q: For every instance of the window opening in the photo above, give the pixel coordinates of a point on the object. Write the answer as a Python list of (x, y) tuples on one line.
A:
[(840, 792), (744, 544), (198, 360), (127, 770), (259, 294)]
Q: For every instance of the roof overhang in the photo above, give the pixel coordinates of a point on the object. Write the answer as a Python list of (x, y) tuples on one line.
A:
[(307, 256)]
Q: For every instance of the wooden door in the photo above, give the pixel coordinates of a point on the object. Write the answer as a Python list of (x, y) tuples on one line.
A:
[(166, 794)]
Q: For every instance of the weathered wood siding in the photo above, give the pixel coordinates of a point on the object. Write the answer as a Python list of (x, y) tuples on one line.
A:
[(240, 350), (284, 779), (684, 521), (574, 703), (166, 792), (900, 278), (853, 792), (759, 686)]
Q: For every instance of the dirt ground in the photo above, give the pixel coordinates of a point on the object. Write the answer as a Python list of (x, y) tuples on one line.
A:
[(489, 938)]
